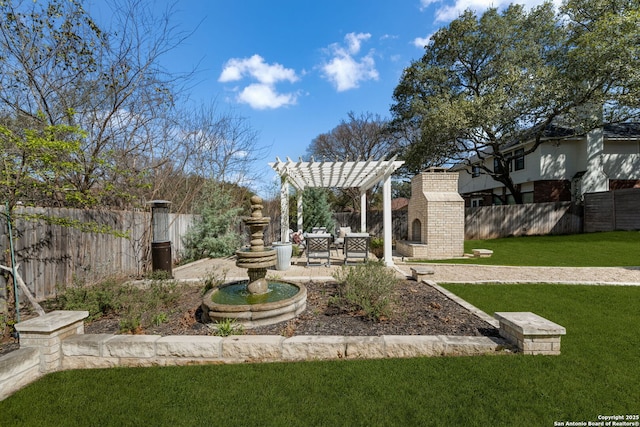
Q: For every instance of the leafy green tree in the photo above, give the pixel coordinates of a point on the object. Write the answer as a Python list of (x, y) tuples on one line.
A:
[(316, 209), (34, 163), (604, 53), (214, 233), (485, 83)]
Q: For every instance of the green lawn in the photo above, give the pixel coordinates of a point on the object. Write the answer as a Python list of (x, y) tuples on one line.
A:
[(597, 374), (611, 249)]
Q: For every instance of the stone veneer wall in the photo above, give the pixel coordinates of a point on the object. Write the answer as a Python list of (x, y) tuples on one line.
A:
[(435, 202)]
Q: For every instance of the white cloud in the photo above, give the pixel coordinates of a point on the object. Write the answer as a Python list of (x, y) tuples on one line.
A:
[(421, 42), (353, 41), (344, 70), (449, 12), (235, 69), (261, 95), (425, 3)]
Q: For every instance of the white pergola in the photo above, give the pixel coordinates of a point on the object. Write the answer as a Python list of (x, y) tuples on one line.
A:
[(356, 174)]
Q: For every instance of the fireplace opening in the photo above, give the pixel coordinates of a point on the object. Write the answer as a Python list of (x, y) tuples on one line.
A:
[(416, 230)]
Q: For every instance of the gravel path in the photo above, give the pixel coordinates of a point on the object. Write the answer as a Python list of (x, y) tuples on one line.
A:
[(455, 273), (443, 273)]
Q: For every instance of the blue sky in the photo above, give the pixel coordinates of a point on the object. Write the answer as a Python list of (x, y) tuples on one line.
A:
[(295, 69)]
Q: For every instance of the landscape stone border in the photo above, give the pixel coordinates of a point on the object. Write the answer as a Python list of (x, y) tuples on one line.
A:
[(56, 341)]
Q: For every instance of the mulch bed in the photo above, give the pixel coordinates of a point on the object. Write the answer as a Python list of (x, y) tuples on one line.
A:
[(419, 310)]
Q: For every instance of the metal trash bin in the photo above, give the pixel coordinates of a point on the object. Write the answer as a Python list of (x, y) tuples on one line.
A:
[(161, 257)]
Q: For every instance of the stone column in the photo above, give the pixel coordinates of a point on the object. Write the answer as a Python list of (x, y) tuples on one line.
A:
[(46, 333)]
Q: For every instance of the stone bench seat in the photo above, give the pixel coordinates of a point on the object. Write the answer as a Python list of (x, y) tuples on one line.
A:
[(532, 334), (482, 253), (418, 273)]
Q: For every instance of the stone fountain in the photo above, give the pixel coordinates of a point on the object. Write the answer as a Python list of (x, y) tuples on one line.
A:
[(258, 258), (257, 301)]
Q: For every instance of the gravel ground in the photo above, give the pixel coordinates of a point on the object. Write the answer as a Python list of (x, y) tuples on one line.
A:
[(456, 273), (444, 273)]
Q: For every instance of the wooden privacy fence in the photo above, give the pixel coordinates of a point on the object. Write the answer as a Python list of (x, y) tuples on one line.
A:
[(52, 255), (487, 222), (492, 222), (612, 210)]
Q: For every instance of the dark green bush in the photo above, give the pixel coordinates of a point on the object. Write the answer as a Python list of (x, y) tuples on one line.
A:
[(213, 233)]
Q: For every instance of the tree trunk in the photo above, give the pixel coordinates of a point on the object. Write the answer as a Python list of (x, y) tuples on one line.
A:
[(11, 300), (515, 191)]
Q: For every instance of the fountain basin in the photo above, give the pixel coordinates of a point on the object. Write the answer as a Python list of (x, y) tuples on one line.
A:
[(232, 301)]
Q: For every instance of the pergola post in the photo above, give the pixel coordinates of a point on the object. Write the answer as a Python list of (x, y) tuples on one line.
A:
[(386, 221), (300, 218), (363, 212), (284, 210)]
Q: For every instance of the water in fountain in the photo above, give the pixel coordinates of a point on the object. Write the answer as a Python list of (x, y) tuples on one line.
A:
[(256, 301)]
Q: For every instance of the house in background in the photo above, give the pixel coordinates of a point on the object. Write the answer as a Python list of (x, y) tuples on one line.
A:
[(562, 168)]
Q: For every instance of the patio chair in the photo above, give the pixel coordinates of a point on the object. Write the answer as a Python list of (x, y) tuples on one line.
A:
[(338, 242), (318, 248), (356, 246)]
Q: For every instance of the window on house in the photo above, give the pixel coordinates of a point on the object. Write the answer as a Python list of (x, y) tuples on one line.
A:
[(496, 165), (477, 203), (475, 171), (519, 159)]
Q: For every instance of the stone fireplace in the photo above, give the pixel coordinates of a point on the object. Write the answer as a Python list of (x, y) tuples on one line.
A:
[(436, 217)]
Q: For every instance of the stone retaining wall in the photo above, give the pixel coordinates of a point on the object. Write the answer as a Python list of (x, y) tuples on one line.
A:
[(105, 351), (17, 369), (56, 341)]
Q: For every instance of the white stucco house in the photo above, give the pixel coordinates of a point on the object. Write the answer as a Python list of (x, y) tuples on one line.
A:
[(562, 168)]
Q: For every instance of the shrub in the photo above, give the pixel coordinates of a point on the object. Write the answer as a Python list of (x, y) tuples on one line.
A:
[(377, 246), (214, 279), (316, 208), (212, 233), (295, 251), (158, 275), (138, 306), (98, 299), (366, 287), (227, 327)]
